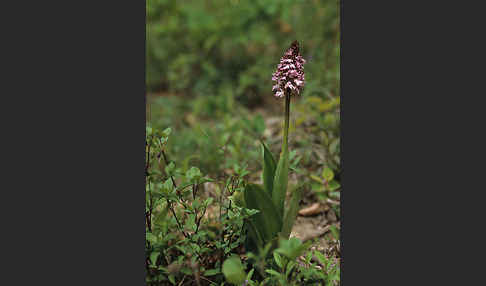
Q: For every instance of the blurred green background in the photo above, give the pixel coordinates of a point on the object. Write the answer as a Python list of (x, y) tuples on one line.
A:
[(208, 76)]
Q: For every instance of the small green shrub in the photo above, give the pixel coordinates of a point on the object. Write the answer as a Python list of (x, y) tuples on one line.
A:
[(180, 239)]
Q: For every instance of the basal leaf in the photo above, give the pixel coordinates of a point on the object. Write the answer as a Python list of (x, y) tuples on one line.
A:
[(269, 167), (291, 213), (280, 181), (267, 222), (254, 238)]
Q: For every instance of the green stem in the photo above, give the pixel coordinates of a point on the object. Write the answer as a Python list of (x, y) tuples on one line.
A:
[(282, 171), (286, 127)]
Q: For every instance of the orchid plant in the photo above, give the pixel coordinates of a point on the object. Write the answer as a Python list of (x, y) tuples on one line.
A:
[(274, 220)]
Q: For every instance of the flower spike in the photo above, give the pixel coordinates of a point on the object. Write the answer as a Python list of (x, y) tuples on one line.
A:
[(289, 75)]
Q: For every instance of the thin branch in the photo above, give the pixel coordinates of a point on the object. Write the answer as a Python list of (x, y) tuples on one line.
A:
[(177, 220), (199, 221), (204, 278), (180, 283)]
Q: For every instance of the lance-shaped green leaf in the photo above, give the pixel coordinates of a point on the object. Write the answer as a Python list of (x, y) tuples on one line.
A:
[(280, 181), (269, 167), (291, 213), (254, 239), (267, 222)]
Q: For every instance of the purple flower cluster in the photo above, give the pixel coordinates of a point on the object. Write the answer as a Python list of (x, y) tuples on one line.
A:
[(290, 72)]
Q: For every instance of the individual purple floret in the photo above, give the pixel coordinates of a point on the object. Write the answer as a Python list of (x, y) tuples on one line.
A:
[(290, 72)]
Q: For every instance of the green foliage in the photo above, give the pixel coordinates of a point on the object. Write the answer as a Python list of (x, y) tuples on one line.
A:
[(283, 267), (292, 248), (233, 270), (181, 241), (268, 222), (291, 212), (215, 144), (177, 232), (269, 167), (326, 186), (272, 220), (280, 181), (325, 116)]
